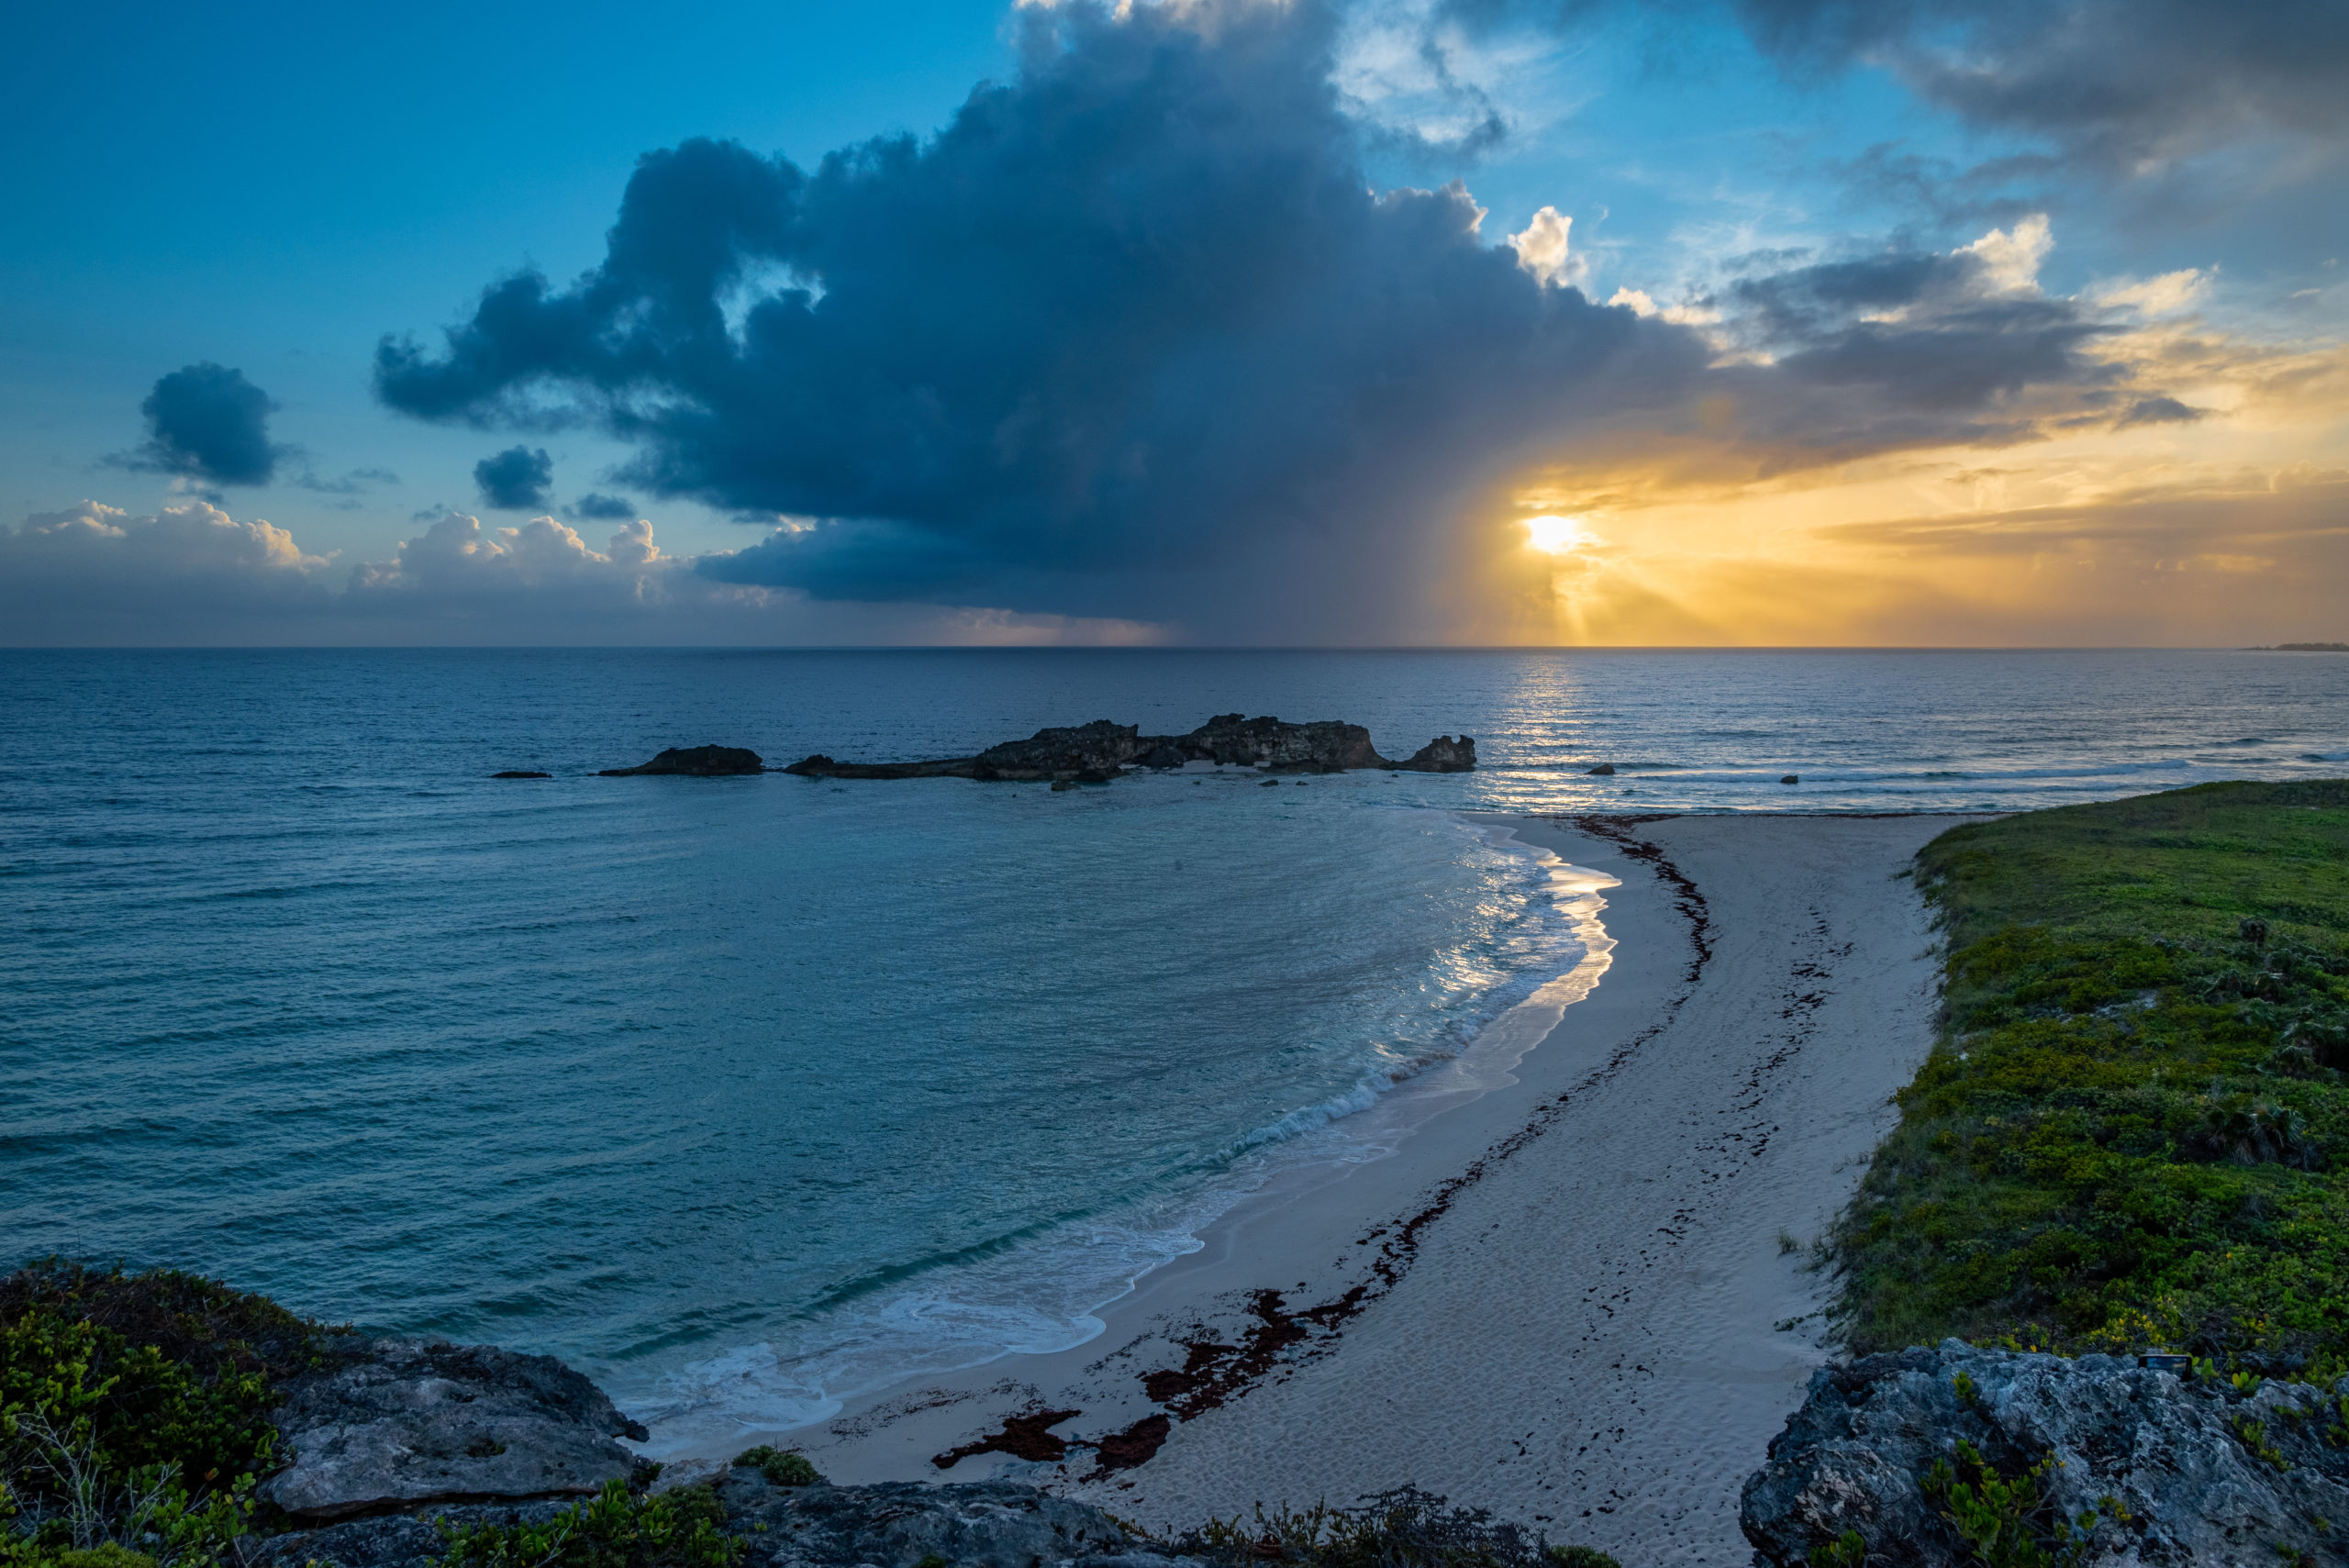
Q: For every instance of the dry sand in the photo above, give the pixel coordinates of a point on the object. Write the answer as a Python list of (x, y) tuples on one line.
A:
[(1567, 1300)]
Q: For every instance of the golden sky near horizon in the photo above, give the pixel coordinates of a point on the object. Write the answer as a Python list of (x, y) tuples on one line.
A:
[(2230, 529)]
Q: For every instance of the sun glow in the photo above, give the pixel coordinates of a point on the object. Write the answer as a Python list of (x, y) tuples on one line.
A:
[(1556, 536)]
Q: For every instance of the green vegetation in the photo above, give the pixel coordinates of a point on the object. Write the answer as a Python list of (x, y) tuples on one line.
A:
[(682, 1529), (2133, 1133), (781, 1468), (1402, 1528), (134, 1415), (1847, 1551), (2004, 1522)]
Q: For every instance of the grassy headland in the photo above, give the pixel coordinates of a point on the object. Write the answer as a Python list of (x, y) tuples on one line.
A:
[(2133, 1131)]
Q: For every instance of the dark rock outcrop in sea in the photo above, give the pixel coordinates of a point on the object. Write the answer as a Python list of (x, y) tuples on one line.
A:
[(402, 1421), (1094, 753), (520, 773), (697, 762), (2176, 1471)]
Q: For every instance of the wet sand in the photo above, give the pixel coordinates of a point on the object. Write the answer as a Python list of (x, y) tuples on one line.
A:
[(1569, 1299)]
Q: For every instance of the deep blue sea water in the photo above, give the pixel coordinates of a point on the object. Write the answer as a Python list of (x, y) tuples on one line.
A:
[(784, 1087)]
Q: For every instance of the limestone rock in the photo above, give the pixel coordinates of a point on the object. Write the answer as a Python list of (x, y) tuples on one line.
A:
[(698, 761), (991, 1524), (987, 1523), (387, 1541), (402, 1421), (1324, 746), (2178, 1470), (1092, 751), (1444, 754), (1096, 747)]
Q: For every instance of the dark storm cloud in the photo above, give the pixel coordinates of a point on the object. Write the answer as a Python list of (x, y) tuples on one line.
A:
[(514, 480), (2159, 411), (597, 508), (206, 422), (2126, 86), (2122, 80), (1131, 335), (1944, 333)]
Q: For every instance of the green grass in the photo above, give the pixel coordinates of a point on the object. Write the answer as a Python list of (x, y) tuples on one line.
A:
[(2132, 1132)]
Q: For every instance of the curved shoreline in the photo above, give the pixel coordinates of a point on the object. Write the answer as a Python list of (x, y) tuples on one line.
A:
[(748, 1394), (1565, 1301), (1412, 1135)]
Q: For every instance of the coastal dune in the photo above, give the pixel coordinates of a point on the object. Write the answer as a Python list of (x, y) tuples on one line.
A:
[(1579, 1299)]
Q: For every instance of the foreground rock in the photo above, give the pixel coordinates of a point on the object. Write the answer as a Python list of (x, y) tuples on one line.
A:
[(398, 1439), (2176, 1472), (697, 762), (998, 1523), (405, 1421), (991, 1524), (1094, 753)]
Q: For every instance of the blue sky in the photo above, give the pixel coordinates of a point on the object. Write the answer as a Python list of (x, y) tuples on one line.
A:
[(273, 191), (273, 186)]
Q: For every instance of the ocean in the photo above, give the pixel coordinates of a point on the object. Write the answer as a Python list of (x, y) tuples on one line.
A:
[(748, 1095)]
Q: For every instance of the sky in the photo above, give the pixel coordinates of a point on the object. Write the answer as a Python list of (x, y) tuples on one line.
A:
[(1238, 322)]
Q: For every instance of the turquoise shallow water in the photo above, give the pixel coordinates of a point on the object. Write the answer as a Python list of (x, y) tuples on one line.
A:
[(788, 1086)]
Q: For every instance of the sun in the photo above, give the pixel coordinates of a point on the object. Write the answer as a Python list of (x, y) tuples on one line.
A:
[(1556, 536)]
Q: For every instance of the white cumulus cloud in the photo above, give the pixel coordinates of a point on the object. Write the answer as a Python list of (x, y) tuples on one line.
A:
[(192, 575), (1541, 247), (2164, 295), (2011, 258)]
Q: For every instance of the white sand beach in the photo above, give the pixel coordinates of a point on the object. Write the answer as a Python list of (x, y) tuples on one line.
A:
[(1568, 1300)]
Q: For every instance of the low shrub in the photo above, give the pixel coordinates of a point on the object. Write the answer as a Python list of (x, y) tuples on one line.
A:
[(780, 1467), (2003, 1519), (1401, 1528), (612, 1530), (134, 1414)]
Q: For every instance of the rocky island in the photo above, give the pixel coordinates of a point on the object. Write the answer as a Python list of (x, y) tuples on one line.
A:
[(694, 762), (1094, 752)]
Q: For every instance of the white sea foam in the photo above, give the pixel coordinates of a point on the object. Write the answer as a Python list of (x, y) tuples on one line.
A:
[(1045, 1294)]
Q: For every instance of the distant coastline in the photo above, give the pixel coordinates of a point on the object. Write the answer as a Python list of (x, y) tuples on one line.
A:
[(2300, 648)]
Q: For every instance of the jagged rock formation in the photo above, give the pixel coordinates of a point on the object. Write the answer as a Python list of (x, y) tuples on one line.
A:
[(2176, 1471), (998, 1523), (698, 761), (402, 1421), (1444, 754), (395, 1438), (1093, 753), (987, 1524)]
